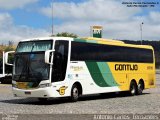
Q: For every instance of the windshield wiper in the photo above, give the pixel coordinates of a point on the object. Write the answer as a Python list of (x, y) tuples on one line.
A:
[(26, 67)]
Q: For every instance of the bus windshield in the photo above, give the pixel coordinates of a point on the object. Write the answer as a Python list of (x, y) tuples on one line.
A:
[(34, 46), (29, 64)]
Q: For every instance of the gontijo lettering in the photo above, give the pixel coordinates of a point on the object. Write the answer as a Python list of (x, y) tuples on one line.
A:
[(126, 67)]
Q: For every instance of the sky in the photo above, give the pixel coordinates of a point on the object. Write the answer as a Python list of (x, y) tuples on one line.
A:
[(21, 19)]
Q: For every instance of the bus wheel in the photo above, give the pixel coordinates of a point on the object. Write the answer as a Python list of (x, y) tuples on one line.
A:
[(133, 88), (43, 99), (74, 93), (140, 88)]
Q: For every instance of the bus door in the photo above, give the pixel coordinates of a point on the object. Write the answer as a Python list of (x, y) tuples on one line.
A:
[(60, 61)]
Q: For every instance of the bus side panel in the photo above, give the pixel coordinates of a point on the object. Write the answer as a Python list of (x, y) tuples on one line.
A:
[(95, 77), (120, 75), (125, 72), (101, 77)]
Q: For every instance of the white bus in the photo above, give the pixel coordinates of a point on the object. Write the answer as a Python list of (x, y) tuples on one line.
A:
[(5, 75), (67, 67)]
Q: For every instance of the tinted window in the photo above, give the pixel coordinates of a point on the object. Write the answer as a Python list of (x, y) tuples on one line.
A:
[(60, 60), (98, 52)]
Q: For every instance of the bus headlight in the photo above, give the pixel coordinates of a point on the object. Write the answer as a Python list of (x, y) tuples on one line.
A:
[(45, 85)]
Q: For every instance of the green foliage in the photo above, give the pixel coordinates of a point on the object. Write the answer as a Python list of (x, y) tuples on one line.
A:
[(9, 48), (66, 34)]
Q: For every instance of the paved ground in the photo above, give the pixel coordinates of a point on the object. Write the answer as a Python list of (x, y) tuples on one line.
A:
[(147, 103)]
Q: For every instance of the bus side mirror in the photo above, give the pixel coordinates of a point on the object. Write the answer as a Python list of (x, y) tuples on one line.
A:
[(48, 57), (6, 57)]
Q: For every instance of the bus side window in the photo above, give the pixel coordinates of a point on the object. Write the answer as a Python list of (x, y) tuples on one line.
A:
[(60, 61)]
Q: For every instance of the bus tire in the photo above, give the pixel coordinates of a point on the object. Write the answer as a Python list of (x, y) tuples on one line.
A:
[(74, 93), (133, 88), (140, 87), (42, 99)]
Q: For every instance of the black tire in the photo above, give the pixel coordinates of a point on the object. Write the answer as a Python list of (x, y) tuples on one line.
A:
[(133, 88), (42, 99), (140, 88), (74, 93)]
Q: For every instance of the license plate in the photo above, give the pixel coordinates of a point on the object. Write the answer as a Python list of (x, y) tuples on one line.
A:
[(27, 93), (22, 85)]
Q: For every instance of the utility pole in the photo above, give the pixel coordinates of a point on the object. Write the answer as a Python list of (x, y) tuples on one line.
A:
[(3, 64), (52, 16), (141, 30)]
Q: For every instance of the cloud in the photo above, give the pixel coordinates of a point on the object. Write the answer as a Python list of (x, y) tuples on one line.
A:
[(12, 4), (11, 32), (118, 21), (155, 17), (90, 10)]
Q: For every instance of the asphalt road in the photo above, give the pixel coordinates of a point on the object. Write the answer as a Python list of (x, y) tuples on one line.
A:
[(148, 103)]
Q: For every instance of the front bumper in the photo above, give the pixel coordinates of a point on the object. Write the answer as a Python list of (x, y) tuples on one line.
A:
[(39, 92)]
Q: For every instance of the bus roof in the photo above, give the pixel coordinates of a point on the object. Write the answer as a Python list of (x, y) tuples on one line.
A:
[(111, 42), (92, 40), (104, 40), (47, 38)]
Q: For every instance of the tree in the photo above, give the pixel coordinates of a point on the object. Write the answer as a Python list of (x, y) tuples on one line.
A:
[(10, 43), (66, 34)]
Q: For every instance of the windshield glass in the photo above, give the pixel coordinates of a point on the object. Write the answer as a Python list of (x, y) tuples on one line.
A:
[(34, 46), (29, 64), (30, 67)]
